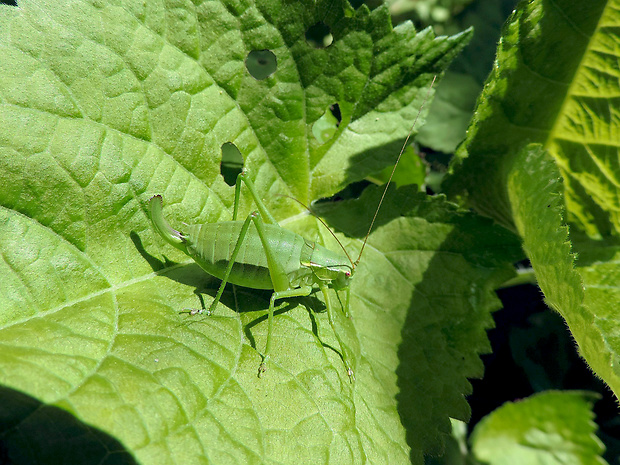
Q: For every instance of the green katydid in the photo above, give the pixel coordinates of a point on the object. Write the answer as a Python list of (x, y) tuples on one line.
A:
[(267, 256)]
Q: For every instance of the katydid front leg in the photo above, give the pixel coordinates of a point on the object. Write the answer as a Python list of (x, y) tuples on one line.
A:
[(330, 317)]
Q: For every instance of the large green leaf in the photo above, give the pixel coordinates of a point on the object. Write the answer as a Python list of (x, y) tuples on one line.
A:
[(554, 85), (534, 195), (103, 104)]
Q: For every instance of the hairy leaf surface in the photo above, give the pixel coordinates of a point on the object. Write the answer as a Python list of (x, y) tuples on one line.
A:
[(555, 84)]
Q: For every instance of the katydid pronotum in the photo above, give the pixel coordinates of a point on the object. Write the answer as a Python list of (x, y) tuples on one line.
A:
[(267, 256)]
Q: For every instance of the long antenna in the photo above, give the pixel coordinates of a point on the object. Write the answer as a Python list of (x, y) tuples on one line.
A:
[(402, 150)]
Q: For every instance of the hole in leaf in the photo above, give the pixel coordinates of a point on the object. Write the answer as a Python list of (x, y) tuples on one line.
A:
[(335, 109), (326, 126), (232, 163), (261, 64), (319, 35)]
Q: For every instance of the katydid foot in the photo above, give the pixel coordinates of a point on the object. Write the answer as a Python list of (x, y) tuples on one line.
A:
[(197, 311), (263, 366)]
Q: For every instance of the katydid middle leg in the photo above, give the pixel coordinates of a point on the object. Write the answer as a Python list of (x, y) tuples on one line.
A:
[(281, 286)]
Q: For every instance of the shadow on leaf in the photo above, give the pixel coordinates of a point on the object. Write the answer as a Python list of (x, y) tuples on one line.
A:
[(34, 433)]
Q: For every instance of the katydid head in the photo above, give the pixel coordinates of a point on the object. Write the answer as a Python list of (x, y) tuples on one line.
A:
[(330, 267), (343, 279)]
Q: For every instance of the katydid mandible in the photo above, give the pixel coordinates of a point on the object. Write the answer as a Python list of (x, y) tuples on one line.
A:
[(267, 256)]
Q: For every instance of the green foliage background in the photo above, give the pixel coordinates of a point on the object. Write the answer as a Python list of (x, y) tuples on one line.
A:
[(103, 104), (577, 123)]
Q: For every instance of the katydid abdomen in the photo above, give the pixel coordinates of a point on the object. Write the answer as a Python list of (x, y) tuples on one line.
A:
[(211, 245)]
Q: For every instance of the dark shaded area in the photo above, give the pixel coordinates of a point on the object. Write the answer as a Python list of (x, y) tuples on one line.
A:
[(372, 4), (373, 160), (261, 64), (34, 433), (360, 211), (533, 351), (194, 276), (10, 3), (261, 300), (319, 35), (598, 216), (504, 379), (435, 344), (155, 263), (440, 349), (352, 191), (190, 275), (231, 164), (335, 109)]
